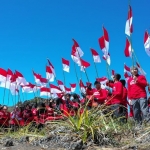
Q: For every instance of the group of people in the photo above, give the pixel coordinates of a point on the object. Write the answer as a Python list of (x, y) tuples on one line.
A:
[(119, 99)]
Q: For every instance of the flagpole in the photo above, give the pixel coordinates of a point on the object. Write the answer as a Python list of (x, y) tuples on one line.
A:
[(64, 77), (76, 73)]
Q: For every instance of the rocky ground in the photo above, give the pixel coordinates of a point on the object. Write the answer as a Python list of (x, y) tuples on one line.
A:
[(57, 140)]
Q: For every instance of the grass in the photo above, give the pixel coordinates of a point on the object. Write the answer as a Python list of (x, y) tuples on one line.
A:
[(92, 124)]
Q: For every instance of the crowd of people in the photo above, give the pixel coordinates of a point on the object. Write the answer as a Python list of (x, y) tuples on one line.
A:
[(119, 99)]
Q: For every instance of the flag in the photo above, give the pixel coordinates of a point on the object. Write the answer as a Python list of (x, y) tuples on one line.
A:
[(102, 80), (140, 69), (37, 77), (30, 88), (127, 76), (20, 78), (106, 40), (49, 74), (44, 91), (55, 89), (127, 51), (61, 85), (9, 74), (128, 26), (82, 87), (73, 87), (76, 53), (107, 58), (67, 90), (52, 67), (43, 82), (147, 43), (3, 75), (96, 56), (84, 64), (112, 74), (65, 64)]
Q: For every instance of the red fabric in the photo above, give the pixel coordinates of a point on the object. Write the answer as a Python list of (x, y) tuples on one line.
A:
[(124, 97), (131, 112), (89, 92), (136, 89), (101, 95), (117, 92)]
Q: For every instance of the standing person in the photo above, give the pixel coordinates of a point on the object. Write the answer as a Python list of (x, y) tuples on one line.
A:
[(117, 94), (124, 99), (137, 96)]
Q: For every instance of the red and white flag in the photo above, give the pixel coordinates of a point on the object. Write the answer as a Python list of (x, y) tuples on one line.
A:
[(107, 58), (147, 43), (140, 69), (55, 89), (52, 67), (112, 74), (128, 26), (106, 40), (37, 77), (49, 74), (61, 85), (82, 87), (44, 91), (65, 64), (73, 87), (76, 53), (67, 90), (9, 74), (30, 88), (127, 69), (3, 75), (127, 76), (20, 78), (96, 56), (128, 51), (102, 80), (43, 82), (84, 64)]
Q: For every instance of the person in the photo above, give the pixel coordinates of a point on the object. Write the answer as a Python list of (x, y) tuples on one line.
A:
[(99, 94), (137, 96), (117, 94), (6, 116), (124, 100)]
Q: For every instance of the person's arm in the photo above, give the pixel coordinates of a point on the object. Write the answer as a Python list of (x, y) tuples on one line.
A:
[(141, 81), (103, 96)]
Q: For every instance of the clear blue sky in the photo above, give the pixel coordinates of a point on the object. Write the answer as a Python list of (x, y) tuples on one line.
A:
[(32, 30)]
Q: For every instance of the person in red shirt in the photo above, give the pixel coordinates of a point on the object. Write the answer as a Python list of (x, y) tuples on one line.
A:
[(117, 94), (99, 94), (137, 96), (124, 99)]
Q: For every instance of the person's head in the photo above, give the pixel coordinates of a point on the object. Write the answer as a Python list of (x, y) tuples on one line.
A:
[(89, 85), (117, 77), (97, 85), (67, 96), (27, 106), (134, 70), (5, 108), (123, 82)]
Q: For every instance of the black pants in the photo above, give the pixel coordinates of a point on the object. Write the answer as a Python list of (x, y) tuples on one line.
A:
[(119, 112)]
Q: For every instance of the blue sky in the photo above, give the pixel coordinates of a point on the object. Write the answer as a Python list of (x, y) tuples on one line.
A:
[(33, 30)]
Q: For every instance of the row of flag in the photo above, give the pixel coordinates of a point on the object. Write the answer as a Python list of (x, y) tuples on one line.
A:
[(15, 81)]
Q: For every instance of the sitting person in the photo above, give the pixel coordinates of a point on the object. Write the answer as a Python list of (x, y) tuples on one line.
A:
[(6, 116)]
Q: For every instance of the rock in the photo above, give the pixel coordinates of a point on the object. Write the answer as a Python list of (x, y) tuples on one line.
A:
[(24, 139), (9, 143)]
